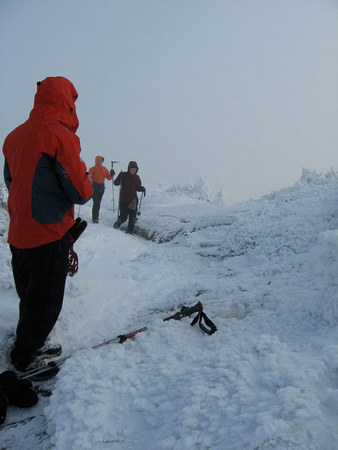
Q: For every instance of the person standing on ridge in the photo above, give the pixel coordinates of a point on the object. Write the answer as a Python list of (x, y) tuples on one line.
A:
[(130, 184), (45, 177), (97, 175)]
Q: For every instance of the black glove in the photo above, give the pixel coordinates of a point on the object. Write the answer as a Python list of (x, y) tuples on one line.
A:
[(143, 189), (18, 392), (112, 172)]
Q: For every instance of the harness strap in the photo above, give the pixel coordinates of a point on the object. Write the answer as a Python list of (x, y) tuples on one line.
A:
[(209, 327)]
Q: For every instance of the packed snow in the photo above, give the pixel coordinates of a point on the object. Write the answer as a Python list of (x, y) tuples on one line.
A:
[(266, 273)]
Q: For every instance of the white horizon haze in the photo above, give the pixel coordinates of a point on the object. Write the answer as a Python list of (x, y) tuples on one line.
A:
[(243, 93)]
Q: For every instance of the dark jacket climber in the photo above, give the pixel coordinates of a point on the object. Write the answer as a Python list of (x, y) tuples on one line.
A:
[(130, 184)]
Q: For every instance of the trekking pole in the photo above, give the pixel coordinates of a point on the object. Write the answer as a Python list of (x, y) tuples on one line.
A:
[(52, 368), (112, 183), (208, 326), (118, 210), (139, 209)]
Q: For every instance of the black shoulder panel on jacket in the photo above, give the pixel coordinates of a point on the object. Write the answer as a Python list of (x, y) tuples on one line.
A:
[(49, 203)]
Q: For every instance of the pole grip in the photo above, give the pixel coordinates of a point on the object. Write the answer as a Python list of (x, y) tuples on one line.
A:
[(186, 312)]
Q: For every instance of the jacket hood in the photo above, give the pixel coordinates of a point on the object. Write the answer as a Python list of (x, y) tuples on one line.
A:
[(97, 159), (132, 164), (55, 100)]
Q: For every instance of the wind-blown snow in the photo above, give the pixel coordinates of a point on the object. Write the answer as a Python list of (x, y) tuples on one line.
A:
[(266, 273)]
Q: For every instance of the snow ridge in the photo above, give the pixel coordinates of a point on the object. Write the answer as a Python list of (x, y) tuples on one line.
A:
[(266, 273)]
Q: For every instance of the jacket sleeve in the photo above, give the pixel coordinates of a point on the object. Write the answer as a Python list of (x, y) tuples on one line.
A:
[(71, 170), (72, 194), (118, 179), (107, 175), (7, 174), (139, 184)]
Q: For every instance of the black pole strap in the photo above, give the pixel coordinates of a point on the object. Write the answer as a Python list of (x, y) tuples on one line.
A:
[(209, 327)]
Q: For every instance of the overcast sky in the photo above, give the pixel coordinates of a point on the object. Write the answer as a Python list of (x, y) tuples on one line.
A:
[(241, 92)]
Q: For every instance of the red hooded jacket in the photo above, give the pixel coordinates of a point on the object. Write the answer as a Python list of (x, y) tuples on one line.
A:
[(43, 169)]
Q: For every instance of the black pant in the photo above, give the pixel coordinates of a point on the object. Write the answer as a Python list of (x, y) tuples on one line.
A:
[(126, 212), (97, 197), (40, 277)]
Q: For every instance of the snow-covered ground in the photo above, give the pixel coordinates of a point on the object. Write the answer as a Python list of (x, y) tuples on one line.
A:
[(266, 273)]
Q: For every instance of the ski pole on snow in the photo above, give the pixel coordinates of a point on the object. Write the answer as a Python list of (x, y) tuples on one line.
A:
[(51, 368), (48, 370), (112, 183)]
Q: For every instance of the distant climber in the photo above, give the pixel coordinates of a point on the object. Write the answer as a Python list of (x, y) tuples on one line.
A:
[(130, 184), (97, 176)]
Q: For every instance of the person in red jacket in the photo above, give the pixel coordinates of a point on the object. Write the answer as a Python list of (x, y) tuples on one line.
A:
[(45, 177), (97, 175), (130, 184)]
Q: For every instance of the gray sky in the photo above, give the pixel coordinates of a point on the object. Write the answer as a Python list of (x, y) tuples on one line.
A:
[(241, 92)]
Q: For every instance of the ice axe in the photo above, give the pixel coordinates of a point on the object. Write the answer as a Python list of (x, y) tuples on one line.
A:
[(112, 183)]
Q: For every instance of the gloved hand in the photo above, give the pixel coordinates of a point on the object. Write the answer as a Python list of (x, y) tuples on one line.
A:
[(18, 392), (143, 189), (112, 172)]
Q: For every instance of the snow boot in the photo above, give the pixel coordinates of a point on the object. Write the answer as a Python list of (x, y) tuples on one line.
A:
[(21, 360), (18, 392), (131, 225), (117, 225), (3, 406), (49, 351)]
